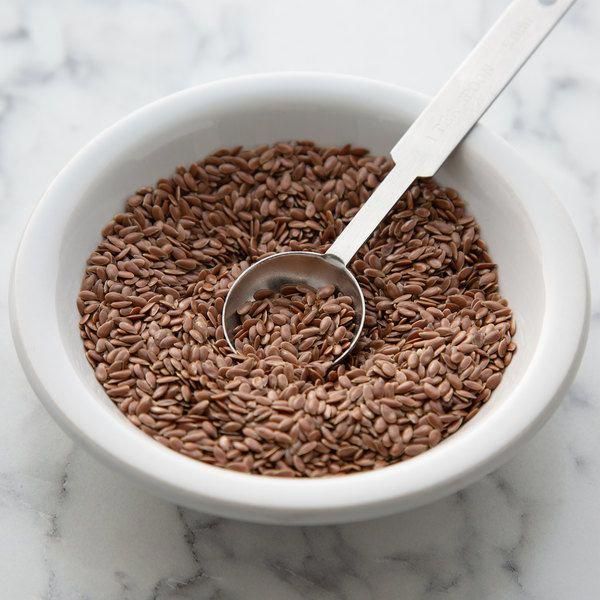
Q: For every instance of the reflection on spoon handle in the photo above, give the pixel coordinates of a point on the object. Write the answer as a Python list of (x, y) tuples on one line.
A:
[(456, 108)]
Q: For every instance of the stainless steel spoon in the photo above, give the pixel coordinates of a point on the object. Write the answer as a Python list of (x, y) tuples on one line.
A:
[(419, 153)]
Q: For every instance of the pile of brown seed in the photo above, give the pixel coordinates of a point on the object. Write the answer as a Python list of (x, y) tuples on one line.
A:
[(298, 324), (437, 334)]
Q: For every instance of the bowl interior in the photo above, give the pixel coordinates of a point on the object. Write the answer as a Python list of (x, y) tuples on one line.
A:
[(336, 118)]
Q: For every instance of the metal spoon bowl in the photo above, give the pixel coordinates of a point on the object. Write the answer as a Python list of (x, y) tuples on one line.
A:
[(310, 268)]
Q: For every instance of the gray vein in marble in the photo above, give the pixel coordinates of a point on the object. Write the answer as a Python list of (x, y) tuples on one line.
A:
[(424, 565), (61, 497), (19, 34), (51, 593), (53, 533)]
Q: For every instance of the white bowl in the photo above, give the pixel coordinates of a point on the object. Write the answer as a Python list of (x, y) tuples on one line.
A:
[(542, 273)]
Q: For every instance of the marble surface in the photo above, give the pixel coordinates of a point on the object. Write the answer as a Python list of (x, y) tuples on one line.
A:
[(70, 529)]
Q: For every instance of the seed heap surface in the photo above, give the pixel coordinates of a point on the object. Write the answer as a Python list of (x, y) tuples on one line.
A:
[(298, 323), (437, 336)]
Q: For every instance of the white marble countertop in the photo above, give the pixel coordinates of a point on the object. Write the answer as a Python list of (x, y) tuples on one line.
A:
[(70, 529)]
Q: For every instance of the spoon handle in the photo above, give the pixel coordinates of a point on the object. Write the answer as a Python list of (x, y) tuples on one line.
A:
[(455, 109)]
